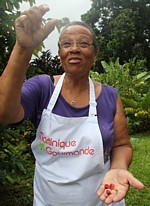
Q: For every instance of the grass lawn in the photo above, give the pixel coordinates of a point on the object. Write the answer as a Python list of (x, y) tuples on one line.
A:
[(141, 169), (21, 193)]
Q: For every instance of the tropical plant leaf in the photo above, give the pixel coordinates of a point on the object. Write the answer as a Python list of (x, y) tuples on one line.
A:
[(130, 103), (146, 102)]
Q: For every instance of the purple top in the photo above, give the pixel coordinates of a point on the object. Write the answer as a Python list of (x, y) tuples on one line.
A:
[(37, 91)]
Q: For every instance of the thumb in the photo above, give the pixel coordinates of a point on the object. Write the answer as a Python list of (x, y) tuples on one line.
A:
[(49, 27), (136, 183)]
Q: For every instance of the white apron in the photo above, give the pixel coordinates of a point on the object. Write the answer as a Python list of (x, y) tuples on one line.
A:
[(69, 157)]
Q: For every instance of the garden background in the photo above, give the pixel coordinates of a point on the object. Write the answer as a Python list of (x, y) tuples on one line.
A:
[(122, 29)]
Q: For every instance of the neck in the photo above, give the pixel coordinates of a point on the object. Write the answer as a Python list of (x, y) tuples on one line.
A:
[(75, 90), (76, 84)]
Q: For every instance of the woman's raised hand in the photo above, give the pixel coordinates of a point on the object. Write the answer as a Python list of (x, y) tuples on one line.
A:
[(30, 30)]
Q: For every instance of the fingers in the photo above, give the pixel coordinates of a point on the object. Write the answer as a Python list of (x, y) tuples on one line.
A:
[(31, 19), (132, 181), (110, 195), (135, 183), (100, 190), (43, 8), (49, 27), (39, 11), (115, 191), (23, 22), (119, 195)]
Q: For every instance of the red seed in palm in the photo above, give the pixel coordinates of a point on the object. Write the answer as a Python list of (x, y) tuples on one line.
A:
[(107, 186), (108, 192), (112, 186)]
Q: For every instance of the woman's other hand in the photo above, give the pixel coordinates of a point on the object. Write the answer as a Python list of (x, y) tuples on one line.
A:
[(121, 180)]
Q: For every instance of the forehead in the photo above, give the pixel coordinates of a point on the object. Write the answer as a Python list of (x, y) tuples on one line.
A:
[(76, 30)]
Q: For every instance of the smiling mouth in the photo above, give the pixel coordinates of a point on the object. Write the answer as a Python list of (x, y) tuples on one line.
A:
[(74, 60)]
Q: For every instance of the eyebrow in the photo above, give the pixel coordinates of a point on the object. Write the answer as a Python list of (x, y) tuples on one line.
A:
[(79, 37)]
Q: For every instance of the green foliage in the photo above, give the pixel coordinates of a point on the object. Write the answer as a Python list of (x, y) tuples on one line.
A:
[(143, 103), (138, 114), (19, 192), (122, 29), (121, 77), (44, 64), (9, 11), (62, 22), (13, 146), (138, 120), (140, 168), (133, 89)]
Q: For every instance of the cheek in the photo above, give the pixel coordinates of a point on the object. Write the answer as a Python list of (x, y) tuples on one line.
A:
[(63, 56), (90, 54), (90, 58)]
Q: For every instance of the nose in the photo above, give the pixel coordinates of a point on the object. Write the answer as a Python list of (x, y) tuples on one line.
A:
[(75, 46)]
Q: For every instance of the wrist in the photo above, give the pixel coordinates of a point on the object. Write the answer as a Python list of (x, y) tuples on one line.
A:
[(118, 168), (26, 51)]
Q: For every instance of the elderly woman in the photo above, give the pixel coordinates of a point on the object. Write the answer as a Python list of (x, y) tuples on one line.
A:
[(82, 148)]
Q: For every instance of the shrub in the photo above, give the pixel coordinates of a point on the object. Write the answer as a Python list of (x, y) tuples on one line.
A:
[(14, 151), (138, 120), (133, 89)]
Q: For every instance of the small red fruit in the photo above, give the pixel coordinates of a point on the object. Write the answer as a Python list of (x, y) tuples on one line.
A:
[(108, 192), (112, 186), (107, 186)]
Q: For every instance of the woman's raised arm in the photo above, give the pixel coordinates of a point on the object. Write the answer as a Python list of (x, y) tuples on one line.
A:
[(30, 33)]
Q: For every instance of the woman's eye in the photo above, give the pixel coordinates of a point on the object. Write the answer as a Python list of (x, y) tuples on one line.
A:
[(66, 44), (84, 44)]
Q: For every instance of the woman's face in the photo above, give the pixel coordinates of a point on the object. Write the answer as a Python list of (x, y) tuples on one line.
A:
[(77, 54)]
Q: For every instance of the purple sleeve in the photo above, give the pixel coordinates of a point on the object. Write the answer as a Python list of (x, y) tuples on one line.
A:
[(36, 92)]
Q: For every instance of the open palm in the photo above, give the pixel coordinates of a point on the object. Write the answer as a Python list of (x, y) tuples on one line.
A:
[(121, 179)]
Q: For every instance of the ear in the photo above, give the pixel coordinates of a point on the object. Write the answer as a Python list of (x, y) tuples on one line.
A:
[(60, 62), (59, 52)]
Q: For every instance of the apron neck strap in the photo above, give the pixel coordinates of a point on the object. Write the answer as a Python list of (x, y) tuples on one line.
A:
[(56, 93), (57, 90), (92, 102)]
